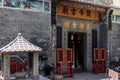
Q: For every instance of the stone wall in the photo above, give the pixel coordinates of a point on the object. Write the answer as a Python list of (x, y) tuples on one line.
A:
[(115, 41), (103, 30), (103, 36), (34, 26)]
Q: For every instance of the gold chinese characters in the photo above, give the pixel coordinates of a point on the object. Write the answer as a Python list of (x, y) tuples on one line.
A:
[(75, 25)]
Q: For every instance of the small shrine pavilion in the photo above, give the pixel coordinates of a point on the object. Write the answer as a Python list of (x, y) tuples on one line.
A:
[(20, 44)]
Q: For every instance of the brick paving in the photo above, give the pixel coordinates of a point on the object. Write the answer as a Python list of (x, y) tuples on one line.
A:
[(88, 76)]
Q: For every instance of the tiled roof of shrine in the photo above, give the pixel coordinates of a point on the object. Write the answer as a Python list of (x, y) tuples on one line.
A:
[(20, 44)]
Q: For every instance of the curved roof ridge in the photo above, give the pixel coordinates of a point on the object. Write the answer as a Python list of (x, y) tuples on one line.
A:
[(20, 44)]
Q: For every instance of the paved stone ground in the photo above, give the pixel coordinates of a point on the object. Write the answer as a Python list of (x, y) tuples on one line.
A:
[(88, 76), (81, 76)]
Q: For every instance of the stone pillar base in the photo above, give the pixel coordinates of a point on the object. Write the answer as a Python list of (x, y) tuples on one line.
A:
[(35, 77)]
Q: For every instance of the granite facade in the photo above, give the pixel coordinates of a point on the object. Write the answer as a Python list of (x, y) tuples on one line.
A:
[(87, 37), (114, 41), (34, 26)]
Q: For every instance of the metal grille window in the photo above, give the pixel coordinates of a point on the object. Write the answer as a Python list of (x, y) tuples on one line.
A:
[(116, 18), (0, 2), (38, 5), (46, 6)]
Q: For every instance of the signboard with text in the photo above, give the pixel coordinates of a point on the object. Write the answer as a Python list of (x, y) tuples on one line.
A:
[(85, 5), (77, 13), (113, 74)]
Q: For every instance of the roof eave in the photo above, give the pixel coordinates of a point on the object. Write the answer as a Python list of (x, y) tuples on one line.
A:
[(92, 3), (12, 52)]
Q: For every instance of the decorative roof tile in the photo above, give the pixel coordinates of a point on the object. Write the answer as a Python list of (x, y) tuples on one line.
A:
[(20, 44)]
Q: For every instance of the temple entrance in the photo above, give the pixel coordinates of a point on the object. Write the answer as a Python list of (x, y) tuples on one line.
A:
[(76, 41)]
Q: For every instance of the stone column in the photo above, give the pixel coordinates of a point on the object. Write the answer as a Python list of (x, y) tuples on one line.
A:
[(6, 66), (35, 66)]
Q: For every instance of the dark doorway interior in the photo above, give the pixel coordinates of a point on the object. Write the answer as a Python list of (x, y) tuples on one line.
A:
[(76, 42)]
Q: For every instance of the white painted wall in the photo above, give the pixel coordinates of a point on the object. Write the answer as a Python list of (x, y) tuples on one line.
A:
[(116, 3)]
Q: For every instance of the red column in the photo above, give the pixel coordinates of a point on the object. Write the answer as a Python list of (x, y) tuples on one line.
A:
[(60, 69)]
